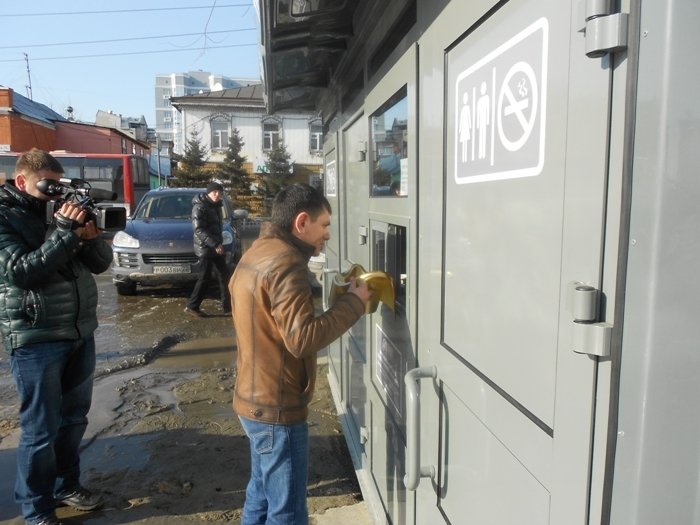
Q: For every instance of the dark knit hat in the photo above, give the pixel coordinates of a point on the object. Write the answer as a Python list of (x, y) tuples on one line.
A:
[(214, 186)]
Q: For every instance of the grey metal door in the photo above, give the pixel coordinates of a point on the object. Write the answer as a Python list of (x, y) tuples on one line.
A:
[(507, 423)]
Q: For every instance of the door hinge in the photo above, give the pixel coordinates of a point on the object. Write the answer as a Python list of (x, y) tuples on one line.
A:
[(589, 335), (605, 32)]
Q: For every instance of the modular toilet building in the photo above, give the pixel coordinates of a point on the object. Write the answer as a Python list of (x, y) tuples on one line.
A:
[(527, 171)]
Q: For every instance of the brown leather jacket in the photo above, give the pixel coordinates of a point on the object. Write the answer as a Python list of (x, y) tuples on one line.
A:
[(277, 331)]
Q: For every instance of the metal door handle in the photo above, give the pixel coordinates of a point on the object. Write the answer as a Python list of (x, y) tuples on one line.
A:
[(328, 274), (413, 469)]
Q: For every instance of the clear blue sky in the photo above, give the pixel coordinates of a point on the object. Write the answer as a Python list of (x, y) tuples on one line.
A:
[(125, 56)]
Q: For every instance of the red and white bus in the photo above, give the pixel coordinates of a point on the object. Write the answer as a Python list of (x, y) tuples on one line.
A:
[(125, 174)]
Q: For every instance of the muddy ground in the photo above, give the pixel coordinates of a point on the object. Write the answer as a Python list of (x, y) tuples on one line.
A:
[(164, 446)]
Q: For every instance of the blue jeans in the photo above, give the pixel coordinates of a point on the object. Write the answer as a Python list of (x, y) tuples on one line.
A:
[(279, 457), (54, 382)]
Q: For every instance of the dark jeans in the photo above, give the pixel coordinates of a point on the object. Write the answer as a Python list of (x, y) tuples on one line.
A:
[(208, 264), (54, 382)]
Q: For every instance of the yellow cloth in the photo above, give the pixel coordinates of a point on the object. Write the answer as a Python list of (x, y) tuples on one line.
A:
[(381, 284)]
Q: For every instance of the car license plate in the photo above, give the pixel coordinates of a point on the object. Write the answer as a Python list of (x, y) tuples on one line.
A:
[(172, 268)]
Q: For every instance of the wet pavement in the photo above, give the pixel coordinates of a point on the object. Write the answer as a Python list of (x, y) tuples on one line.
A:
[(134, 331), (166, 433)]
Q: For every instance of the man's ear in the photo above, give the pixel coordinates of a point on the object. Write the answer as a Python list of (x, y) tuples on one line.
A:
[(300, 222), (21, 182)]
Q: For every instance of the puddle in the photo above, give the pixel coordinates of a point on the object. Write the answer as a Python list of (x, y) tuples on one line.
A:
[(118, 453), (200, 354)]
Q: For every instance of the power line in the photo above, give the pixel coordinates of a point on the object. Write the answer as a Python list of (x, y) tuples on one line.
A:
[(130, 53), (206, 26), (126, 10), (22, 46)]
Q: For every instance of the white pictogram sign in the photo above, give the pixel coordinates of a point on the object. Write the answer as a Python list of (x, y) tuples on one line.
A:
[(331, 179), (499, 110)]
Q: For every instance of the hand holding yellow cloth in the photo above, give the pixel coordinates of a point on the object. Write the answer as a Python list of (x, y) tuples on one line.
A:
[(381, 284)]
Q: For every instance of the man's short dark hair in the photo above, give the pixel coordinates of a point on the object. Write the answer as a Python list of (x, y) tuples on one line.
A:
[(35, 160), (297, 198)]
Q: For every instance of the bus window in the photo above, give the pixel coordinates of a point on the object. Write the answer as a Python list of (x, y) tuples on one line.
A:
[(140, 170), (72, 167), (7, 168), (126, 175), (101, 169)]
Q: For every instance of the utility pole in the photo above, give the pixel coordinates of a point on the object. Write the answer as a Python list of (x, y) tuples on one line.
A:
[(29, 76), (158, 157)]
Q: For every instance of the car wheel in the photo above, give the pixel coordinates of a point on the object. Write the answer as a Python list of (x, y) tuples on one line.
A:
[(126, 288)]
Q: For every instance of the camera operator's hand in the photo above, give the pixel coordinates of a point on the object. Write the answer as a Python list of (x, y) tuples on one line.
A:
[(88, 232), (70, 217)]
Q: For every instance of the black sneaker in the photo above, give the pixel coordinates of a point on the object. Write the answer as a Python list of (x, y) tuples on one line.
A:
[(46, 521), (195, 312), (81, 499)]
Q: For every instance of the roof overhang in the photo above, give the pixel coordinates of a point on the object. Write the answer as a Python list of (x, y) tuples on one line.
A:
[(303, 43)]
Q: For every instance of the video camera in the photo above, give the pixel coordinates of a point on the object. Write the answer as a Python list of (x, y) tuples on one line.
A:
[(79, 192)]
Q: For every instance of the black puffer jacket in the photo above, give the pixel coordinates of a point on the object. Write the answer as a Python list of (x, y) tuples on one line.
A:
[(206, 223), (47, 291)]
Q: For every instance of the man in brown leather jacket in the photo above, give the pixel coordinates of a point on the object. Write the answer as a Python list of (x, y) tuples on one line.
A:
[(278, 336)]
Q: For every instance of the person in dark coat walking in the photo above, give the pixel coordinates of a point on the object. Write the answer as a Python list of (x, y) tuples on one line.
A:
[(208, 246), (48, 316)]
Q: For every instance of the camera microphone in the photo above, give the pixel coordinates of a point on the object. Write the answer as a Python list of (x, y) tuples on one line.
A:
[(101, 195)]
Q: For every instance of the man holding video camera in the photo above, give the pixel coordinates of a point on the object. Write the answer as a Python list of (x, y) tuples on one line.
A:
[(48, 301)]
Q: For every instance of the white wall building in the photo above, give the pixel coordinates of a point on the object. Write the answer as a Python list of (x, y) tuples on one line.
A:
[(171, 85), (215, 114)]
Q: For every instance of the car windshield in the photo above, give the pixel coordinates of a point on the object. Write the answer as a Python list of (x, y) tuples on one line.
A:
[(166, 207)]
